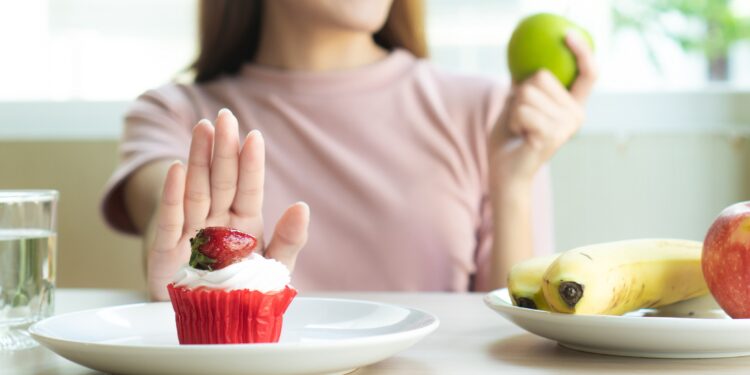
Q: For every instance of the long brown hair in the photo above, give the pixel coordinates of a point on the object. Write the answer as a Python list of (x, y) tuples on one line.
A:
[(229, 32)]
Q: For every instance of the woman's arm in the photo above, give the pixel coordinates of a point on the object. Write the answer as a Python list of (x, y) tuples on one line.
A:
[(142, 190), (512, 230), (142, 194), (538, 118)]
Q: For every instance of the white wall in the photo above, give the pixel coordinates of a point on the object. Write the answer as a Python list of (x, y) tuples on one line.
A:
[(652, 165), (650, 185)]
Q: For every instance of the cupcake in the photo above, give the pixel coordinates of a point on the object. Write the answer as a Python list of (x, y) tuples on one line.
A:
[(228, 294)]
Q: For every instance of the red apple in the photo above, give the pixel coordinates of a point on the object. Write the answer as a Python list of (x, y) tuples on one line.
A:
[(726, 260)]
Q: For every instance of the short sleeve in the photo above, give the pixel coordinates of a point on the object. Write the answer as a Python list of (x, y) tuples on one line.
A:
[(157, 126)]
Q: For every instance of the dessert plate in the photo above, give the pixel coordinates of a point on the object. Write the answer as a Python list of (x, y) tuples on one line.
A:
[(696, 328), (319, 335)]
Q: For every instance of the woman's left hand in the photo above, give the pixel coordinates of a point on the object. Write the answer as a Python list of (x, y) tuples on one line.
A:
[(540, 115)]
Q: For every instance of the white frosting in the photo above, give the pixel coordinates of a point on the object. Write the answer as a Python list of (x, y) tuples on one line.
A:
[(254, 273)]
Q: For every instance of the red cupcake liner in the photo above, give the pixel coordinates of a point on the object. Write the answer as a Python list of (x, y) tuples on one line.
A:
[(208, 316)]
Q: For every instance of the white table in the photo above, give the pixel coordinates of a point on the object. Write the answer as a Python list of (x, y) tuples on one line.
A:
[(471, 339)]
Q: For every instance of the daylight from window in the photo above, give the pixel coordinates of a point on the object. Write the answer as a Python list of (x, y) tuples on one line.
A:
[(82, 49)]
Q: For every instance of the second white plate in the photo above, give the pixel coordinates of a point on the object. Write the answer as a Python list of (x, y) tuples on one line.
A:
[(319, 336), (692, 329)]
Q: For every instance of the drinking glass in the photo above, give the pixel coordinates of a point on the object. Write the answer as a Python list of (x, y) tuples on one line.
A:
[(28, 240)]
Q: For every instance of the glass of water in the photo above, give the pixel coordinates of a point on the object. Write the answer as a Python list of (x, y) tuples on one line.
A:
[(28, 239)]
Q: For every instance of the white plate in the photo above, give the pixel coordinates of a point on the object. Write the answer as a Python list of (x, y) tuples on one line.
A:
[(696, 328), (319, 336)]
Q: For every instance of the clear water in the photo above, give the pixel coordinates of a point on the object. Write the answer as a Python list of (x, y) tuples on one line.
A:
[(27, 279)]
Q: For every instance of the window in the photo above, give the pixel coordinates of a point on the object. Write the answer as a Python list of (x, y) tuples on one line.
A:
[(114, 50), (91, 49)]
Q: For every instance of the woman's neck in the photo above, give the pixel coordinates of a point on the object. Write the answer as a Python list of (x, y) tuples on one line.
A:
[(302, 46)]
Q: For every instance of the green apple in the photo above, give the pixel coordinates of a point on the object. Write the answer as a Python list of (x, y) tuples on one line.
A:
[(538, 42)]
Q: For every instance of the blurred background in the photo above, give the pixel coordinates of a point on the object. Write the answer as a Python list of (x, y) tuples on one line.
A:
[(664, 149)]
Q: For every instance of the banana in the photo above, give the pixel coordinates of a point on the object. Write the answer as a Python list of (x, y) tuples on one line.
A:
[(525, 282), (616, 277)]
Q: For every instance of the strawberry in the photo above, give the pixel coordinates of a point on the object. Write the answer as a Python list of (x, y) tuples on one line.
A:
[(214, 248)]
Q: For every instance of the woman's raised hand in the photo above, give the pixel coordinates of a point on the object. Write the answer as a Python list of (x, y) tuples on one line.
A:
[(223, 186), (540, 115)]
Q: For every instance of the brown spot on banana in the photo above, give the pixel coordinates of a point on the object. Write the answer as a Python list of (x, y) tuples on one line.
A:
[(571, 292), (527, 303)]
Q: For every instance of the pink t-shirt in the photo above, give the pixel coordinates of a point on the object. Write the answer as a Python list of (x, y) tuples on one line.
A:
[(391, 158)]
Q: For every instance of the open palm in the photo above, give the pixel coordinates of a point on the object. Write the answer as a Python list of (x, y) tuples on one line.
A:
[(223, 186)]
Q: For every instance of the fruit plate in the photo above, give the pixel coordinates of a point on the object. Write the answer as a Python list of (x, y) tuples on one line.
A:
[(320, 335), (696, 328)]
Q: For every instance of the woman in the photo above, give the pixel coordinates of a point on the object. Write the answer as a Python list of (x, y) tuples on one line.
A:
[(410, 172)]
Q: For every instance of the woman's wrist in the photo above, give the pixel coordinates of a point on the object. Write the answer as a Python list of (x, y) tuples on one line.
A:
[(507, 185), (507, 168)]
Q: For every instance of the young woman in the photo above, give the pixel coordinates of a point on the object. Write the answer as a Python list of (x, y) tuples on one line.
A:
[(417, 179)]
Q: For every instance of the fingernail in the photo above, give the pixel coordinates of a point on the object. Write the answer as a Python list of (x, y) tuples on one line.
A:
[(203, 121), (225, 111), (304, 205), (175, 162), (253, 133)]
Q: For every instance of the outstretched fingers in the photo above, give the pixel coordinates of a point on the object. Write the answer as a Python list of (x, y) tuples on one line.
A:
[(248, 200), (224, 164), (290, 235), (170, 217), (198, 183)]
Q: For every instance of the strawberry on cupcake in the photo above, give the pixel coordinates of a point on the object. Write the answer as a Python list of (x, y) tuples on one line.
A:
[(228, 294)]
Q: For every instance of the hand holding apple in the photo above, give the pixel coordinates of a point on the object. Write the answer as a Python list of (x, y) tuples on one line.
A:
[(540, 115), (538, 42), (726, 260)]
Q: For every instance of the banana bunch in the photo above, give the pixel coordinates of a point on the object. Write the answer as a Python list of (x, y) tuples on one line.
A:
[(610, 278)]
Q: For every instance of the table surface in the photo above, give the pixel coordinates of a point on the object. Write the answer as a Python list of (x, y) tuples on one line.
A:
[(471, 339)]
